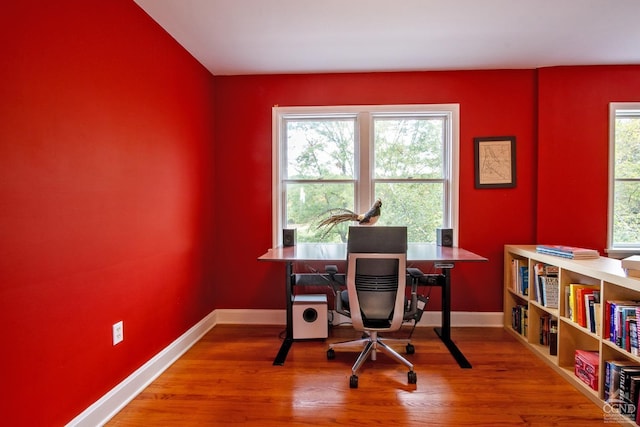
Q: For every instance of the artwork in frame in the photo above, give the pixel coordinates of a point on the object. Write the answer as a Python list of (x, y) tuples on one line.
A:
[(495, 161)]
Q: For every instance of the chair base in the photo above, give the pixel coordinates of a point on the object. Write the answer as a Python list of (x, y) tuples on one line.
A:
[(372, 344)]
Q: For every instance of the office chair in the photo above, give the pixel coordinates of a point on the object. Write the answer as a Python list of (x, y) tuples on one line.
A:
[(375, 297)]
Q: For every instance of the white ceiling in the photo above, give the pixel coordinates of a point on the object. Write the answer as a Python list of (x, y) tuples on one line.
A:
[(234, 37)]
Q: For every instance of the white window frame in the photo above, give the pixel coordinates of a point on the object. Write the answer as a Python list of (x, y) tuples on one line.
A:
[(364, 155), (619, 250)]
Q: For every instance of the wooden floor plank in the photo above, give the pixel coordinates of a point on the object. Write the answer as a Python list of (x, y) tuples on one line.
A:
[(228, 379)]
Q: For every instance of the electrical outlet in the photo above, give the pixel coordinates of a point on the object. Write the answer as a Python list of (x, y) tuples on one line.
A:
[(118, 332)]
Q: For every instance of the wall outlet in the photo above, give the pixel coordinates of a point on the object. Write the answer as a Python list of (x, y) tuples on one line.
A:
[(118, 332)]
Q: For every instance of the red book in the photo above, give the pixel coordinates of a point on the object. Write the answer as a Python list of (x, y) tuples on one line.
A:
[(580, 306)]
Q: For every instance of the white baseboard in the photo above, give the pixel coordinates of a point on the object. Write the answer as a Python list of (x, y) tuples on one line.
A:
[(251, 317), (117, 398), (465, 319), (111, 403), (429, 318)]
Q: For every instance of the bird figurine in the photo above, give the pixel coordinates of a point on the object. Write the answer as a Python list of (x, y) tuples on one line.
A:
[(338, 216)]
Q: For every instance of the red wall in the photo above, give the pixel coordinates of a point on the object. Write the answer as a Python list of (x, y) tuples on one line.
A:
[(106, 161), (574, 150), (491, 103), (114, 204)]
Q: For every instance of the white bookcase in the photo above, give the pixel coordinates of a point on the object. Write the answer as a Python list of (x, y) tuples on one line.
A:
[(613, 283)]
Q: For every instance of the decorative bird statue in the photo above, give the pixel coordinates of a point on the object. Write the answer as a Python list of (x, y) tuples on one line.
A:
[(337, 216)]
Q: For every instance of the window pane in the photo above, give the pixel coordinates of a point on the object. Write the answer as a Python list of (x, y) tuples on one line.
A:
[(338, 157), (419, 206), (320, 148), (307, 205), (626, 218), (409, 147), (627, 147)]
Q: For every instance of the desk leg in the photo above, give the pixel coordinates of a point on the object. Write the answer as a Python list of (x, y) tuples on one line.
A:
[(445, 331), (288, 339)]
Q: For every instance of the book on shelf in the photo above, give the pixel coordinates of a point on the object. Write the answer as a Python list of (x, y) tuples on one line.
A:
[(582, 305), (619, 313), (586, 367), (548, 329), (571, 252), (632, 265), (514, 274), (631, 262), (612, 378), (553, 336), (524, 280), (634, 387), (634, 339), (550, 290), (520, 319), (538, 270), (631, 344), (592, 311), (627, 315), (576, 304), (544, 330), (633, 273), (597, 313), (627, 394), (520, 276), (547, 285)]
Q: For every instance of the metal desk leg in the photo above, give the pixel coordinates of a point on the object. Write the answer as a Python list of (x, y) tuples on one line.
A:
[(288, 339), (445, 331)]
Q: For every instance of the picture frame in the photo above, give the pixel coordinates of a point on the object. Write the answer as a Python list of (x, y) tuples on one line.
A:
[(495, 161)]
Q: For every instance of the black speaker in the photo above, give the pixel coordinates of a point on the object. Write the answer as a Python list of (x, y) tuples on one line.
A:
[(444, 236), (289, 237)]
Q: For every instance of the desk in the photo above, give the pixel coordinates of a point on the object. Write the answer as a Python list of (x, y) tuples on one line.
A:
[(443, 258)]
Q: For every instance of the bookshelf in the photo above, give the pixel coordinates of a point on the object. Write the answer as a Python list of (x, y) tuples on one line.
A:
[(525, 311)]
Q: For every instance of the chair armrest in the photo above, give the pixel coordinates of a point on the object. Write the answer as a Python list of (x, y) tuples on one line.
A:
[(415, 273), (331, 269), (412, 310), (338, 281), (336, 278), (418, 277)]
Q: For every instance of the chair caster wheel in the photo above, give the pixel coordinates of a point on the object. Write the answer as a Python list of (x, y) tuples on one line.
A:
[(331, 354), (412, 378), (410, 349), (353, 381)]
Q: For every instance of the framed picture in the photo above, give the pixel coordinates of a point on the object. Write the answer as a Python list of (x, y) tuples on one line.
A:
[(495, 158)]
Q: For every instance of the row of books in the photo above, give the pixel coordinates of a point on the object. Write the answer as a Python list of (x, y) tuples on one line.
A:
[(546, 291), (520, 276), (571, 252), (520, 319), (548, 328), (622, 387), (582, 306), (581, 301), (549, 333), (621, 327)]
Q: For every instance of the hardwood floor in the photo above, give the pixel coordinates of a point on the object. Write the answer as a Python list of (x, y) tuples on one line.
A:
[(228, 379)]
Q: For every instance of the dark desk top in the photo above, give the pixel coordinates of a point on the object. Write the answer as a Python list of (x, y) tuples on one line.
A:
[(338, 252)]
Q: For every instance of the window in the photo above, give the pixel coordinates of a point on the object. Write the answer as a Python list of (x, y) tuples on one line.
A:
[(624, 178), (347, 157)]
